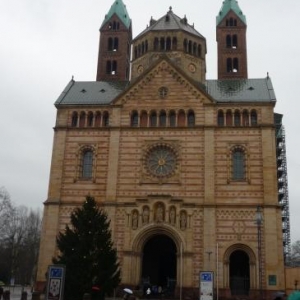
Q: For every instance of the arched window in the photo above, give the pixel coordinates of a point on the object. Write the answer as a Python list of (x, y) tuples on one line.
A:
[(194, 49), (153, 119), (139, 50), (199, 54), (172, 119), (144, 119), (143, 47), (168, 44), (116, 44), (185, 45), (245, 118), (114, 68), (234, 41), (181, 118), (174, 43), (190, 51), (134, 119), (162, 119), (220, 118), (228, 118), (229, 64), (87, 164), (253, 118), (162, 43), (191, 118), (237, 118), (228, 41), (146, 46), (98, 119), (135, 52), (82, 119), (238, 164), (110, 44), (111, 67), (235, 65), (90, 119), (108, 67), (74, 119), (105, 120), (155, 44)]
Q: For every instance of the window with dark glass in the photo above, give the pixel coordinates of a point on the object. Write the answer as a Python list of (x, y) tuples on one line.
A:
[(172, 119), (238, 165), (87, 164), (162, 119), (74, 119), (253, 118), (153, 119), (82, 119), (105, 119), (220, 118), (191, 119), (90, 119), (237, 118), (134, 119)]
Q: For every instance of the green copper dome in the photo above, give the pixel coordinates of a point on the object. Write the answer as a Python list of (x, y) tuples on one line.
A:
[(229, 5), (118, 8)]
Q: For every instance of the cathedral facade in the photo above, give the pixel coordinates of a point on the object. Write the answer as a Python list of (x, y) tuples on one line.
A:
[(183, 165)]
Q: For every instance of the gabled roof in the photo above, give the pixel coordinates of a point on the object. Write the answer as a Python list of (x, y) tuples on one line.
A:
[(118, 8), (229, 5), (170, 21), (241, 90), (90, 92)]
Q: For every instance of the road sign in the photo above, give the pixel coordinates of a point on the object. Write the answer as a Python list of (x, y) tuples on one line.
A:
[(55, 282)]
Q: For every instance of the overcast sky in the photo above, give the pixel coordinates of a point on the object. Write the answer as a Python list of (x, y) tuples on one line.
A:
[(45, 42)]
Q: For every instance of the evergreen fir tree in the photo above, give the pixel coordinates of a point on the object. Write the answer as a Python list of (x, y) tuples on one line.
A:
[(87, 251)]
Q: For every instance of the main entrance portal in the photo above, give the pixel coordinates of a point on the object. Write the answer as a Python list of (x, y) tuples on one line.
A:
[(159, 263)]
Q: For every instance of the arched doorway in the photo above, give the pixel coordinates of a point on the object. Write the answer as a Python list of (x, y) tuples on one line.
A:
[(239, 272), (159, 264)]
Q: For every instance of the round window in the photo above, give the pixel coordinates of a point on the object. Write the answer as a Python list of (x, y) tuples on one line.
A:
[(161, 161)]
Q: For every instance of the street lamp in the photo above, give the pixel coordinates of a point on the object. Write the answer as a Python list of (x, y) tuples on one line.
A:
[(259, 221)]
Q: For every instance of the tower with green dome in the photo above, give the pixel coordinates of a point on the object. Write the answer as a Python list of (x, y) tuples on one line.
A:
[(114, 46), (231, 39)]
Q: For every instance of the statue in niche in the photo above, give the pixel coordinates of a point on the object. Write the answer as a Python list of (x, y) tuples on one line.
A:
[(159, 213), (172, 216), (145, 215), (183, 220), (135, 220)]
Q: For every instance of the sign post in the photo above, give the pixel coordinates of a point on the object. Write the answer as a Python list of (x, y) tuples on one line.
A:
[(55, 282), (206, 285)]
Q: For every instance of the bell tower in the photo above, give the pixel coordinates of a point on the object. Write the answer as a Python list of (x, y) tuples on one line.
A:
[(231, 39), (114, 45)]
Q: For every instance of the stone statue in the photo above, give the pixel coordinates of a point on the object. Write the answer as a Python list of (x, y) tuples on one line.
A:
[(172, 216), (145, 215), (135, 220)]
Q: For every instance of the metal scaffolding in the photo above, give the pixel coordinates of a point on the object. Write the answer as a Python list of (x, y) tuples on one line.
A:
[(283, 195)]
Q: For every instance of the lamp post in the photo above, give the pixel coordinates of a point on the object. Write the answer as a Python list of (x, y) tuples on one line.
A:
[(259, 221)]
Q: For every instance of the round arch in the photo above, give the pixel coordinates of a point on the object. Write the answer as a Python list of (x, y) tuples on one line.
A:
[(143, 239), (244, 252)]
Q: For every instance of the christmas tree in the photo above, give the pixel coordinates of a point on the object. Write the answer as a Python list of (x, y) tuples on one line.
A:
[(87, 251)]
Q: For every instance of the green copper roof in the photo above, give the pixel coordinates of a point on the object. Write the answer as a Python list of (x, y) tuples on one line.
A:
[(118, 8), (229, 5)]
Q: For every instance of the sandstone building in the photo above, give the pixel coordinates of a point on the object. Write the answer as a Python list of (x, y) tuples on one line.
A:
[(181, 163)]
